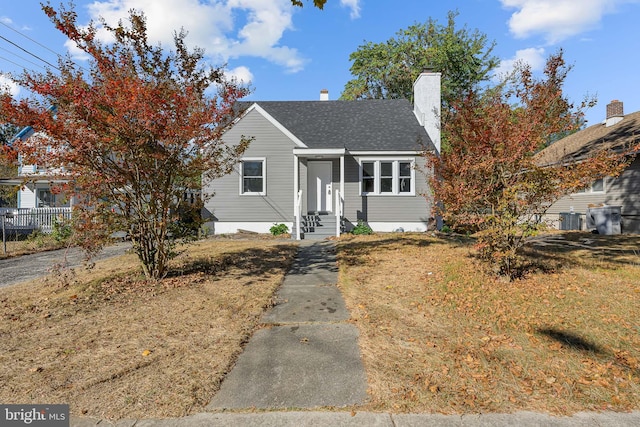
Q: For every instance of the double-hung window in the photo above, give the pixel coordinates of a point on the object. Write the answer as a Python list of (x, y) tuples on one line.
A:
[(596, 186), (387, 177), (253, 176)]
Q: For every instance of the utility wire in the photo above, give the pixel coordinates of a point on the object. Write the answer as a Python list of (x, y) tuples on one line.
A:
[(29, 38), (14, 63), (32, 54), (20, 57), (39, 44)]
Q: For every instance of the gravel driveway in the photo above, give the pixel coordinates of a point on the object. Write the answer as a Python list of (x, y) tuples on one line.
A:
[(28, 267)]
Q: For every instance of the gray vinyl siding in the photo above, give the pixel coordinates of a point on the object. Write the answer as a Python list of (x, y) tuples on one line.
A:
[(374, 208), (276, 205), (621, 191)]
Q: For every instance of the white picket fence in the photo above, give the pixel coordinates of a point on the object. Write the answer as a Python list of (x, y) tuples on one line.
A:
[(27, 220)]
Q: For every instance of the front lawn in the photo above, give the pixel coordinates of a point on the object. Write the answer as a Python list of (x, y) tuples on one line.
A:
[(439, 335), (113, 346)]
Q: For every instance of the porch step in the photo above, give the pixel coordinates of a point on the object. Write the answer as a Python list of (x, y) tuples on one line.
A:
[(317, 226)]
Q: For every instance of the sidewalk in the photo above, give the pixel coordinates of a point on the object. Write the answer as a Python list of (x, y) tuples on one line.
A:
[(369, 419), (307, 357)]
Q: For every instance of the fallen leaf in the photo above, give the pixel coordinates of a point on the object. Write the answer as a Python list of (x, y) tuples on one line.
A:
[(146, 353)]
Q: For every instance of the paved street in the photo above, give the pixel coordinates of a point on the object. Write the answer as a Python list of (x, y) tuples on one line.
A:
[(28, 267)]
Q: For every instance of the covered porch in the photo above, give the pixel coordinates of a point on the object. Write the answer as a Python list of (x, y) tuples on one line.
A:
[(319, 188)]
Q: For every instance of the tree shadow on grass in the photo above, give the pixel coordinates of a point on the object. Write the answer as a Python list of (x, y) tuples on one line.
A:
[(251, 262), (352, 251), (571, 340), (550, 252)]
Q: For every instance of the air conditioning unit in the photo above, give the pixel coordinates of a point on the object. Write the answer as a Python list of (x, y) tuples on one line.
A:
[(570, 221), (605, 219)]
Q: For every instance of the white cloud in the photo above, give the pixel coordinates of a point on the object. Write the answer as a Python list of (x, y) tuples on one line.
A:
[(241, 74), (266, 23), (213, 26), (532, 56), (354, 5), (6, 20), (8, 85), (557, 20)]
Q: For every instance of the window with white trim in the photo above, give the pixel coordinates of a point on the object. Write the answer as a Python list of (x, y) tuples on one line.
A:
[(253, 176), (596, 186), (387, 177)]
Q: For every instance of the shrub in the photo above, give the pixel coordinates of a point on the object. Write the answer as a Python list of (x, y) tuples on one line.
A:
[(279, 229), (61, 230), (361, 228)]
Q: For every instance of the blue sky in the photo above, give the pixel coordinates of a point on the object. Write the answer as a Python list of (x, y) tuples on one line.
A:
[(292, 53)]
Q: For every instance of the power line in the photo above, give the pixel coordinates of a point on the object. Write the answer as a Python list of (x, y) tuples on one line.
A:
[(29, 38), (19, 57), (32, 54), (14, 63), (58, 55)]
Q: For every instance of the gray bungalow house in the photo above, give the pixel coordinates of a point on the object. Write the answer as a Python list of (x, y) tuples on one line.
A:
[(320, 167), (618, 132)]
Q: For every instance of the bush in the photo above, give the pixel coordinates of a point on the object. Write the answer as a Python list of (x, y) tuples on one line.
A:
[(61, 230), (279, 229), (361, 228)]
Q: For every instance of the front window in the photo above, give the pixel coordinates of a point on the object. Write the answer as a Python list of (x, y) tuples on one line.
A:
[(368, 177), (596, 186), (51, 199), (253, 176), (405, 175), (45, 199), (387, 177)]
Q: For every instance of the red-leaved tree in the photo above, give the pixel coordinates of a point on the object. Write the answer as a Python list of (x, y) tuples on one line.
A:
[(487, 180), (130, 135)]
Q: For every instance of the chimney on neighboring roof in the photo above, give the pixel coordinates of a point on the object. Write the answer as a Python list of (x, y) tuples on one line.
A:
[(324, 95), (615, 113)]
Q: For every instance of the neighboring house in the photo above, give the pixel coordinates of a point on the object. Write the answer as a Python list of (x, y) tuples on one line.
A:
[(619, 133), (37, 188), (39, 202), (320, 167)]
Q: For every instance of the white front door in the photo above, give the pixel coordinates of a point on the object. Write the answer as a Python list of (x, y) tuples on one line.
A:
[(319, 187)]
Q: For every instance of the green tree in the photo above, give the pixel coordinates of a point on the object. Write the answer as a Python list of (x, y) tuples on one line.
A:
[(489, 182), (8, 165), (131, 135), (389, 69)]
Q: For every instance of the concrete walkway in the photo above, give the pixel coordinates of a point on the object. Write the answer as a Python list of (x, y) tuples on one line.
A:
[(306, 355)]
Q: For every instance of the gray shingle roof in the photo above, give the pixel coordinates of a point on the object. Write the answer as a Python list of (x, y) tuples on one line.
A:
[(620, 137), (366, 125)]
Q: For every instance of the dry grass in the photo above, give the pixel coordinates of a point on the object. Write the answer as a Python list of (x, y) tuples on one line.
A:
[(113, 346), (439, 335), (25, 246)]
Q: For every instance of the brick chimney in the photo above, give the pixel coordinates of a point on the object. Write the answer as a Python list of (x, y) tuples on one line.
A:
[(615, 113), (324, 95)]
